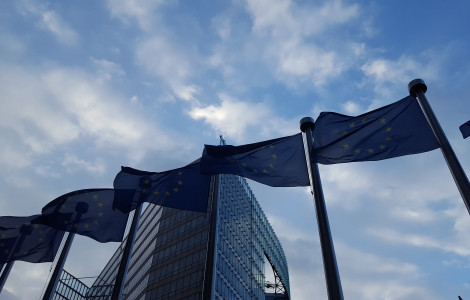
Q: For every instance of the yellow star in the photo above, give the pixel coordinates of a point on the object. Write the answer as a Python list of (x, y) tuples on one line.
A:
[(357, 151), (63, 206), (271, 166), (244, 165), (95, 196), (25, 253), (180, 182), (6, 251), (167, 193), (274, 156), (265, 171), (388, 139), (180, 173), (388, 129), (156, 193), (271, 147), (40, 239), (383, 120), (364, 121), (352, 124), (86, 226), (175, 189), (255, 171), (26, 224), (345, 132), (96, 222), (100, 214), (100, 204), (346, 146), (146, 181), (36, 225), (382, 147), (370, 150), (144, 191)]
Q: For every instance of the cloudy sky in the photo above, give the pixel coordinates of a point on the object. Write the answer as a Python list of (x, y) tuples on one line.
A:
[(88, 86)]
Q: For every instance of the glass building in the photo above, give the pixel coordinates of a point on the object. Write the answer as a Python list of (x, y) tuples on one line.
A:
[(221, 254)]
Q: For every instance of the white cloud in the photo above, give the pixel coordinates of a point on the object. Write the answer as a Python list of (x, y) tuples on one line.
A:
[(386, 75), (351, 108), (63, 105), (448, 244), (50, 21), (107, 70), (287, 29), (72, 163), (234, 118), (160, 57), (142, 11)]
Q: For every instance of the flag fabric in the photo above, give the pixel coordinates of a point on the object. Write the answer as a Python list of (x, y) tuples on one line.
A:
[(183, 188), (394, 130), (278, 162), (465, 129), (26, 239), (89, 213)]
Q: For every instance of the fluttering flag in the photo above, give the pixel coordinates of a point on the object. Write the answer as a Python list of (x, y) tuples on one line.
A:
[(26, 239), (465, 129), (278, 162), (394, 130), (183, 188), (89, 213)]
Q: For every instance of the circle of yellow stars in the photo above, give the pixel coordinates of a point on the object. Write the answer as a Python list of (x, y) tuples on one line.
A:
[(370, 150)]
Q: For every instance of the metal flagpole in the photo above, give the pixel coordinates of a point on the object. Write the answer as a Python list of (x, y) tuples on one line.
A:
[(81, 208), (126, 255), (24, 230), (333, 281), (417, 88)]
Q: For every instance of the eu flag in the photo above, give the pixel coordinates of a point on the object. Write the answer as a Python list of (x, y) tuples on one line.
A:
[(465, 129), (183, 188), (277, 162), (89, 213), (26, 239), (394, 130)]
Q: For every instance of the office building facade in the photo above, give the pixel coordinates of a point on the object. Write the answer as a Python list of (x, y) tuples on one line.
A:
[(221, 254)]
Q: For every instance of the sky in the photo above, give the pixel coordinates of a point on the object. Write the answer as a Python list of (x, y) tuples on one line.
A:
[(89, 86)]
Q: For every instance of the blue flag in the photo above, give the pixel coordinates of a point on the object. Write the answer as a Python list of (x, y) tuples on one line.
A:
[(26, 239), (394, 130), (277, 162), (465, 129), (183, 188), (89, 213)]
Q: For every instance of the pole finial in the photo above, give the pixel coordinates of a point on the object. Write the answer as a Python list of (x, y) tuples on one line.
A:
[(417, 85), (305, 123)]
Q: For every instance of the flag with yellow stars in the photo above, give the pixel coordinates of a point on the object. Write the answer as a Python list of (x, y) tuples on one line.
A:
[(278, 162), (183, 188), (89, 213), (394, 130), (26, 239)]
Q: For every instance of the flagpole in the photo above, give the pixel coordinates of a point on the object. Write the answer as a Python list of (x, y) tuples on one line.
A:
[(24, 230), (81, 208), (418, 88), (126, 255), (333, 281)]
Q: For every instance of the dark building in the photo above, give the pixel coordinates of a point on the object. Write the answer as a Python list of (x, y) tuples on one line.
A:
[(221, 254)]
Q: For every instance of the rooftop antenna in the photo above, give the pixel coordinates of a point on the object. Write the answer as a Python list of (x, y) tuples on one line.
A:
[(222, 141)]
